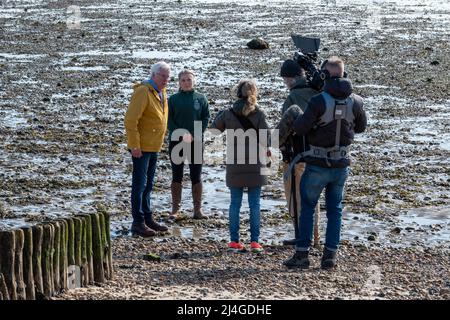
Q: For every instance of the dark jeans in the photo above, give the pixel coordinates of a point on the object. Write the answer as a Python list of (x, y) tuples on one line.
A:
[(195, 170), (314, 180), (142, 185)]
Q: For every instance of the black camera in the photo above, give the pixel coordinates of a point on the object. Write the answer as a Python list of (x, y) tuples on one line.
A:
[(308, 59)]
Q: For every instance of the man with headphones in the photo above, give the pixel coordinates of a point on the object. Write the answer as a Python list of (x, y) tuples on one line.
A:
[(329, 122)]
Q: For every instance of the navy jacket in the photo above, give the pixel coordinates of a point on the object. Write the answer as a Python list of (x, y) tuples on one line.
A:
[(339, 88)]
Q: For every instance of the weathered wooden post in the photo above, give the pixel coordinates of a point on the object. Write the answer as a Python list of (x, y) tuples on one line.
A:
[(56, 256), (47, 259), (38, 234), (7, 256), (28, 276), (78, 237), (63, 257), (4, 295), (90, 256), (104, 245), (84, 270), (71, 242), (18, 264), (108, 243), (97, 248)]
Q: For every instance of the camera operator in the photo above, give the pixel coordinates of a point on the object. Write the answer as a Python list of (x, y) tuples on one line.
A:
[(299, 94), (330, 122)]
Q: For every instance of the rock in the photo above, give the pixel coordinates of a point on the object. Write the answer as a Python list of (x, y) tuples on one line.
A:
[(444, 292), (396, 230), (371, 238), (151, 257), (258, 44), (434, 63)]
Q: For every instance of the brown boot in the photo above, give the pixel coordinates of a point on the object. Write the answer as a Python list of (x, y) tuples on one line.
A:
[(176, 189), (152, 224), (140, 229), (197, 190)]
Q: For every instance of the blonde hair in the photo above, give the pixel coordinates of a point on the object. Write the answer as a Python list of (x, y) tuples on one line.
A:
[(336, 66), (247, 90)]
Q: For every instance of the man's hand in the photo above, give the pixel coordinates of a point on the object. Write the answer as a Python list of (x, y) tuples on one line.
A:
[(136, 153)]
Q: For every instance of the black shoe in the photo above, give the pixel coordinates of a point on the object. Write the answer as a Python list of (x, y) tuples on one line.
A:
[(328, 259), (298, 260), (140, 229), (289, 242)]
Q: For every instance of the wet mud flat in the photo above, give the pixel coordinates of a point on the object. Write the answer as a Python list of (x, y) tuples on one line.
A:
[(64, 92)]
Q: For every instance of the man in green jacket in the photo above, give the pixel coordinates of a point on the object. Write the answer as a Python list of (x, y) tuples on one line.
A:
[(187, 108)]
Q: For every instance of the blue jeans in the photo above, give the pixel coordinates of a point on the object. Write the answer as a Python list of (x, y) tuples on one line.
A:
[(142, 185), (254, 195), (314, 180)]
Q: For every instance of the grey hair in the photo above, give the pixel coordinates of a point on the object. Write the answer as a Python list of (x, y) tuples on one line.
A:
[(157, 67)]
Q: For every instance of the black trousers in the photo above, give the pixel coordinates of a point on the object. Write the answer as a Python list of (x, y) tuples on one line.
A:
[(195, 170)]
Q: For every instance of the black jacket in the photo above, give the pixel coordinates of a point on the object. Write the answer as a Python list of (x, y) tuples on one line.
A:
[(339, 88)]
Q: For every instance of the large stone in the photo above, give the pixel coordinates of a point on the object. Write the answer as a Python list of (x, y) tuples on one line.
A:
[(258, 44)]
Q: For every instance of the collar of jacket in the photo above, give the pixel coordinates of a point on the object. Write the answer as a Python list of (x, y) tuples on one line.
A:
[(154, 91), (186, 92), (300, 83)]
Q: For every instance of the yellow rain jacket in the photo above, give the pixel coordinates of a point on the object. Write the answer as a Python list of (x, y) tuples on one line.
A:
[(146, 118)]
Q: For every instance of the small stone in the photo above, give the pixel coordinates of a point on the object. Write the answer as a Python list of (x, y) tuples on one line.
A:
[(434, 63), (396, 230), (371, 238)]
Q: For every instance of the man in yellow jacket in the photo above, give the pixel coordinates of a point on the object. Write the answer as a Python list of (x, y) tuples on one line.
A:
[(145, 125)]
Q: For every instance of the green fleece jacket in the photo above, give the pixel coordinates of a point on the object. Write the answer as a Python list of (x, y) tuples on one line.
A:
[(185, 108)]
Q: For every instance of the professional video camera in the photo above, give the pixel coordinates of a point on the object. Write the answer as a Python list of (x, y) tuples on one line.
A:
[(307, 57)]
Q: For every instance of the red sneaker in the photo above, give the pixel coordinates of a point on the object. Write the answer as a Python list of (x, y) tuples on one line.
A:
[(256, 247), (236, 246)]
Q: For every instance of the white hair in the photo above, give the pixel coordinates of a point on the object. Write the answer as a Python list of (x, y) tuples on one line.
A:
[(157, 67)]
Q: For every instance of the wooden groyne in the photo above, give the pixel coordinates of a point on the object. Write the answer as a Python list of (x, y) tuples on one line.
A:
[(49, 258)]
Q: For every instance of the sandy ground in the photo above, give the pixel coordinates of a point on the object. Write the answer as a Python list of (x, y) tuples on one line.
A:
[(64, 91)]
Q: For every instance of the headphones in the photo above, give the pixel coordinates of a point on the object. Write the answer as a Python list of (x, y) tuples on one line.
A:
[(325, 74)]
